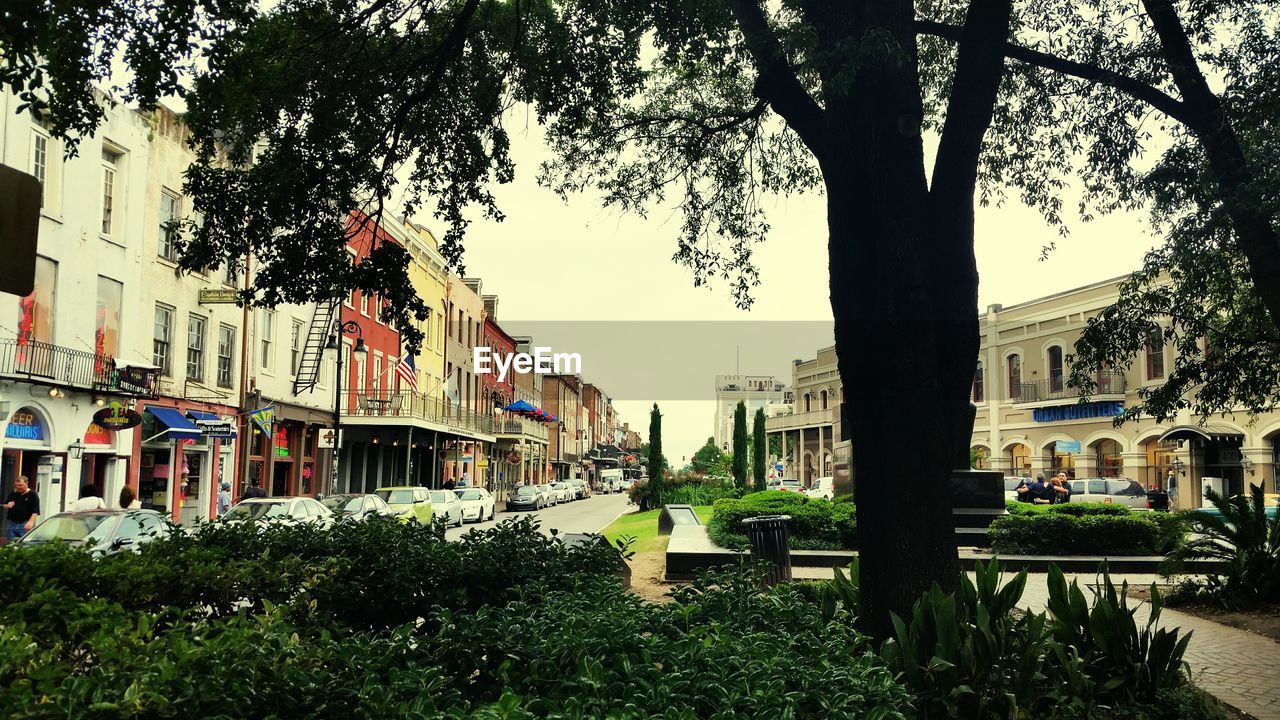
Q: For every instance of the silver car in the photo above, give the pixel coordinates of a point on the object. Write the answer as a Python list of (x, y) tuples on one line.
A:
[(103, 531)]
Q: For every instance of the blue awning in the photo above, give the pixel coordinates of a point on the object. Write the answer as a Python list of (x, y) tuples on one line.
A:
[(177, 424), (202, 415)]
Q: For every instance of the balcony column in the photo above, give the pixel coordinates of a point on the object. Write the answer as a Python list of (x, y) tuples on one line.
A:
[(822, 452), (784, 448), (800, 458)]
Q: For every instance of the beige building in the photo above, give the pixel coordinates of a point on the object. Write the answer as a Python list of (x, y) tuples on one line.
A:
[(809, 428), (1029, 421), (756, 391)]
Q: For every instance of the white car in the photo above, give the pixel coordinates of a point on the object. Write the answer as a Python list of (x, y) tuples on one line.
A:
[(286, 510), (824, 488), (568, 493), (477, 504), (1011, 485), (1117, 491), (784, 485), (446, 505)]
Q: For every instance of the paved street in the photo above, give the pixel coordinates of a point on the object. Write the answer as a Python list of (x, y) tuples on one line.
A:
[(589, 515)]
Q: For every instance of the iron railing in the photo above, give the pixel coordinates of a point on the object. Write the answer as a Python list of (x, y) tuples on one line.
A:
[(55, 365), (520, 426), (408, 404), (1055, 388)]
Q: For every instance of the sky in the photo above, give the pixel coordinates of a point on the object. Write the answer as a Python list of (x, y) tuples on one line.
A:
[(603, 284)]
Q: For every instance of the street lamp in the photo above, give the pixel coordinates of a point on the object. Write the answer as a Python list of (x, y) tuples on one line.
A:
[(350, 327)]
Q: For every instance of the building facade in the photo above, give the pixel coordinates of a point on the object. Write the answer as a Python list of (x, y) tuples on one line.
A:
[(1029, 421), (757, 391), (806, 421)]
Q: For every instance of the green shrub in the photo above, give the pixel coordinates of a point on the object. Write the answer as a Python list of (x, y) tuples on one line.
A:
[(1098, 529), (1015, 507), (1245, 540), (814, 524), (684, 490)]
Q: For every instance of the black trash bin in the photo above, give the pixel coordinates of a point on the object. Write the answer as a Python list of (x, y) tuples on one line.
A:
[(768, 535)]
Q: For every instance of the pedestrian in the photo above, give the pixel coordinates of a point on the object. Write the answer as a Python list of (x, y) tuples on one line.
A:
[(465, 480), (1060, 491), (1040, 491), (1024, 490), (255, 490), (224, 498), (449, 484), (1171, 487), (23, 508), (89, 499), (128, 499)]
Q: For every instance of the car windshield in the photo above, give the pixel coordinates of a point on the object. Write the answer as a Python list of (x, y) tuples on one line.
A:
[(396, 497), (72, 528), (439, 496), (340, 502), (526, 491), (350, 507), (791, 483), (473, 494), (256, 510)]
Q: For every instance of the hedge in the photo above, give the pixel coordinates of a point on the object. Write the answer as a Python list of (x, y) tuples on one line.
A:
[(683, 491), (814, 524), (1085, 529)]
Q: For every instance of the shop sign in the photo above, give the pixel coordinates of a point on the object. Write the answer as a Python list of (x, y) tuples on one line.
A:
[(1070, 447), (136, 381), (220, 428), (327, 439), (513, 457), (1078, 411), (25, 424), (219, 296), (482, 464), (116, 417)]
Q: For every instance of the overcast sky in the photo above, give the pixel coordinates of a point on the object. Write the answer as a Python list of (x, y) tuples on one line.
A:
[(551, 261)]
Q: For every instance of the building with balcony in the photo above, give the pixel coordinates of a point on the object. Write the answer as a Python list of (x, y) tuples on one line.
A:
[(1029, 421), (562, 397), (808, 429), (757, 391)]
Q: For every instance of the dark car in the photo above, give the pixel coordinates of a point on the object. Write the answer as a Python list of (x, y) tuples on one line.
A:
[(358, 507), (105, 531), (525, 497)]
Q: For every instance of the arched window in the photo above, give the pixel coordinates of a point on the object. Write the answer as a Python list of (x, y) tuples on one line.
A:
[(1015, 376), (808, 402), (823, 397), (977, 383), (1055, 369)]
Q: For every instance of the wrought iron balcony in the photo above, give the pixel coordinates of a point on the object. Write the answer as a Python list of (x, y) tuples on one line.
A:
[(520, 427), (57, 366), (408, 404), (1055, 388)]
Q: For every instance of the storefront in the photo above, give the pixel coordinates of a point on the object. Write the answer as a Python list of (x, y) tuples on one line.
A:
[(29, 451), (183, 454)]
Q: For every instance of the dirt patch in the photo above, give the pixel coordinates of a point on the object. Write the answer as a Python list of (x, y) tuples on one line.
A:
[(647, 569), (1260, 619)]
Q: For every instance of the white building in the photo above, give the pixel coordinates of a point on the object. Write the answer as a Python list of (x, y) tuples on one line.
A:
[(757, 391)]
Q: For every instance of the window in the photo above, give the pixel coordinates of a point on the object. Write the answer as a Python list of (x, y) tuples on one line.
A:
[(1055, 369), (364, 303), (1155, 354), (266, 336), (40, 161), (425, 327), (35, 311), (110, 191), (162, 339), (1015, 376), (226, 345), (107, 323), (231, 274), (296, 335), (195, 348), (823, 396), (169, 212), (978, 382), (377, 375)]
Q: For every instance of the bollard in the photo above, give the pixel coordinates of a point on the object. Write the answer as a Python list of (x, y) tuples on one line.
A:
[(768, 536)]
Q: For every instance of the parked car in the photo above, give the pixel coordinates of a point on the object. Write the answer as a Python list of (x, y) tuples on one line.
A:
[(104, 531), (581, 488), (287, 510), (549, 495), (824, 488), (446, 506), (1119, 491), (784, 485), (410, 503), (357, 507), (1011, 485), (525, 497), (568, 493), (477, 504)]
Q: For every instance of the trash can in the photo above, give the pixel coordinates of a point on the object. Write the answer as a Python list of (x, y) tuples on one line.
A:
[(768, 536)]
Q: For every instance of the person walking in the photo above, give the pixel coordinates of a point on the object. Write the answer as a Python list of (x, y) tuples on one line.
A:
[(255, 490), (23, 507), (129, 499), (224, 498), (89, 499)]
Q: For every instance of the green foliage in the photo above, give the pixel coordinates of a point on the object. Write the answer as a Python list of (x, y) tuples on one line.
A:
[(1084, 529), (759, 451), (657, 463), (683, 490), (706, 457), (1245, 540), (814, 524), (740, 448)]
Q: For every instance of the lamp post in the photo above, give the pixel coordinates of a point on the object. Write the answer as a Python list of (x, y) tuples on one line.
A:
[(340, 328)]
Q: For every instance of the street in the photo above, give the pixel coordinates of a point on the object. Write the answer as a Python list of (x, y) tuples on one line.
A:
[(589, 515)]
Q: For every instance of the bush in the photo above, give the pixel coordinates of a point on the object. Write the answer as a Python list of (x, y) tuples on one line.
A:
[(1086, 529), (684, 491), (814, 524), (1245, 540), (1015, 507)]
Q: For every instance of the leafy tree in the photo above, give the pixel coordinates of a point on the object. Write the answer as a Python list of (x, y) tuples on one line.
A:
[(759, 452), (656, 462), (740, 445), (706, 457), (709, 104)]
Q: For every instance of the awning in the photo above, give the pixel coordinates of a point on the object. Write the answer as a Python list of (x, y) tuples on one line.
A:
[(176, 424), (1209, 432)]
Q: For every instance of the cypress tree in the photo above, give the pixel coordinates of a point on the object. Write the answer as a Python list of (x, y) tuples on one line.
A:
[(740, 445), (759, 450), (656, 463)]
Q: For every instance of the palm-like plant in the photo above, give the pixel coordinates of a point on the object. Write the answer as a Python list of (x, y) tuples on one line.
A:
[(1244, 539)]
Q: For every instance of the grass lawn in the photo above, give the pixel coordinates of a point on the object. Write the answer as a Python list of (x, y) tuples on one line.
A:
[(643, 526)]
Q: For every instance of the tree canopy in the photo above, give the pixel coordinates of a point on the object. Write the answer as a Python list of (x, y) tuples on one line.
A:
[(706, 457)]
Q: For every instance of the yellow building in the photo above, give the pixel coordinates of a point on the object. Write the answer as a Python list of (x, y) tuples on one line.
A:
[(430, 280)]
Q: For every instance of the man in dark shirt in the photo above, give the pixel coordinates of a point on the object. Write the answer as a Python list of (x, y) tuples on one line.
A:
[(1060, 491), (23, 506), (255, 490)]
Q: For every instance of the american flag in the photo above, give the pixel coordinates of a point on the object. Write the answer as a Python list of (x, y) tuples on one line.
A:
[(408, 372)]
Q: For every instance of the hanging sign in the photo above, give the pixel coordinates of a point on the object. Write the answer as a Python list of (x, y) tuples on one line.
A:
[(264, 417), (219, 428), (116, 417), (219, 296), (513, 457), (326, 439)]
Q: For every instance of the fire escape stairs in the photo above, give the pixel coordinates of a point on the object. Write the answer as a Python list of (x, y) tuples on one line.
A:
[(313, 351)]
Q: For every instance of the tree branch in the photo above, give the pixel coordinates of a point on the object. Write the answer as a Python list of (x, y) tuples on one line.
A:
[(1237, 185), (1130, 86), (777, 82)]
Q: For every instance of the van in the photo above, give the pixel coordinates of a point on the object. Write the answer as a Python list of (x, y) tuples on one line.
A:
[(824, 488), (611, 480)]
